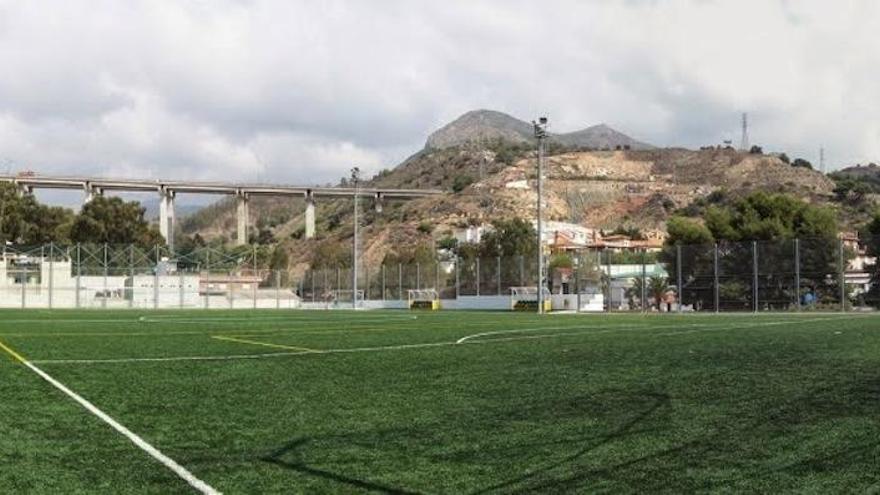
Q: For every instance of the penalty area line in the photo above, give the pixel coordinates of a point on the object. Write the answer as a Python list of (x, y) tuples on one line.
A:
[(142, 444)]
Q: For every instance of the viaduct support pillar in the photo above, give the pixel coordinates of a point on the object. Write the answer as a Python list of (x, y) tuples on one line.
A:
[(241, 209), (24, 190), (310, 215), (380, 202), (90, 193), (166, 216)]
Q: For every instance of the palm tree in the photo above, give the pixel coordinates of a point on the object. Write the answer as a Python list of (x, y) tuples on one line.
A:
[(658, 287), (634, 293)]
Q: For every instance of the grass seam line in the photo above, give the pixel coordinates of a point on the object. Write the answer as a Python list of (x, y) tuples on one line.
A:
[(142, 444)]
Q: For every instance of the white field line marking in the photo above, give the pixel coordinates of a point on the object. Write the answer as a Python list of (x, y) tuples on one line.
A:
[(587, 332), (367, 326), (263, 344), (641, 325), (590, 331), (290, 318), (747, 325), (377, 318), (228, 357), (208, 331), (354, 328), (146, 319), (52, 321), (525, 330), (667, 334), (179, 470)]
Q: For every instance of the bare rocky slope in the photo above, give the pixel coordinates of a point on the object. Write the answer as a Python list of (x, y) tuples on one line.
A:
[(603, 189)]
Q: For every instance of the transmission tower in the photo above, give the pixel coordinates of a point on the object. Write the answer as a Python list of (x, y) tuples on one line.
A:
[(744, 144), (822, 160)]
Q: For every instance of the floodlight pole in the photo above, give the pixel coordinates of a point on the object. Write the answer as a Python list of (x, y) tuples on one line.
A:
[(540, 134), (355, 177)]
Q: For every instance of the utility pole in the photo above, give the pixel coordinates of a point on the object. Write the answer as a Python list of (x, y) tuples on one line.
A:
[(744, 143), (540, 134), (355, 177)]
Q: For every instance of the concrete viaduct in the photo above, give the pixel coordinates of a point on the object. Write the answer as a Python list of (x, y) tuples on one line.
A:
[(167, 190)]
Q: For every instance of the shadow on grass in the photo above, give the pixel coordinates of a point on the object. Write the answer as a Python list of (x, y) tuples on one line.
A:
[(739, 446), (745, 449), (656, 401), (276, 458)]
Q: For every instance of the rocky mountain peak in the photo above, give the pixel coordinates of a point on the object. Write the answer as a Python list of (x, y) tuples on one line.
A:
[(480, 126)]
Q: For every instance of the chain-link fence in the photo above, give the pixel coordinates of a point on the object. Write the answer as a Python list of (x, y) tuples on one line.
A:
[(787, 275)]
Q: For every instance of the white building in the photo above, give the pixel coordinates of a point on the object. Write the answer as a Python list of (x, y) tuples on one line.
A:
[(38, 282), (571, 234), (172, 291), (472, 234)]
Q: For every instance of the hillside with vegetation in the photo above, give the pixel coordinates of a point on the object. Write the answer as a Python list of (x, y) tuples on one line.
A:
[(491, 177), (857, 191)]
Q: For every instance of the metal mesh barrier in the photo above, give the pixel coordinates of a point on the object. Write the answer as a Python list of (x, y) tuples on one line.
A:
[(808, 274)]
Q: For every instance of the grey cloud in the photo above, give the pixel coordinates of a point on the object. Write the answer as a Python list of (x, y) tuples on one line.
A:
[(300, 91)]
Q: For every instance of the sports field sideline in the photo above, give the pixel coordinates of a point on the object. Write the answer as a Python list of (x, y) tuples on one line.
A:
[(445, 402)]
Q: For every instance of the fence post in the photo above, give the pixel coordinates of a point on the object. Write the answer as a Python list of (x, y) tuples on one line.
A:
[(104, 289), (230, 290), (715, 275), (678, 276), (400, 281), (24, 277), (131, 275), (181, 293), (755, 274), (43, 263), (256, 284), (644, 294), (418, 275), (51, 271), (498, 275), (78, 275), (576, 272), (367, 280), (478, 275), (457, 277), (383, 281), (156, 280), (608, 270), (437, 276), (797, 272), (842, 274), (278, 288), (207, 277), (522, 271)]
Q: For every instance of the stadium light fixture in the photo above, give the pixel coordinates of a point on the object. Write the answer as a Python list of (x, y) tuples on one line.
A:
[(355, 178), (540, 135)]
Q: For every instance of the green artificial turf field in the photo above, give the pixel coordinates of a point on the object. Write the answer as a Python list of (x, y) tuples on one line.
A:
[(445, 402)]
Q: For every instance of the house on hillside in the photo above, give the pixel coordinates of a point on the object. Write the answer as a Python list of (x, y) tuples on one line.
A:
[(472, 234), (566, 235)]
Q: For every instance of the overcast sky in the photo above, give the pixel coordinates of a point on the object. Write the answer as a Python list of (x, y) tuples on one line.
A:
[(298, 91)]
